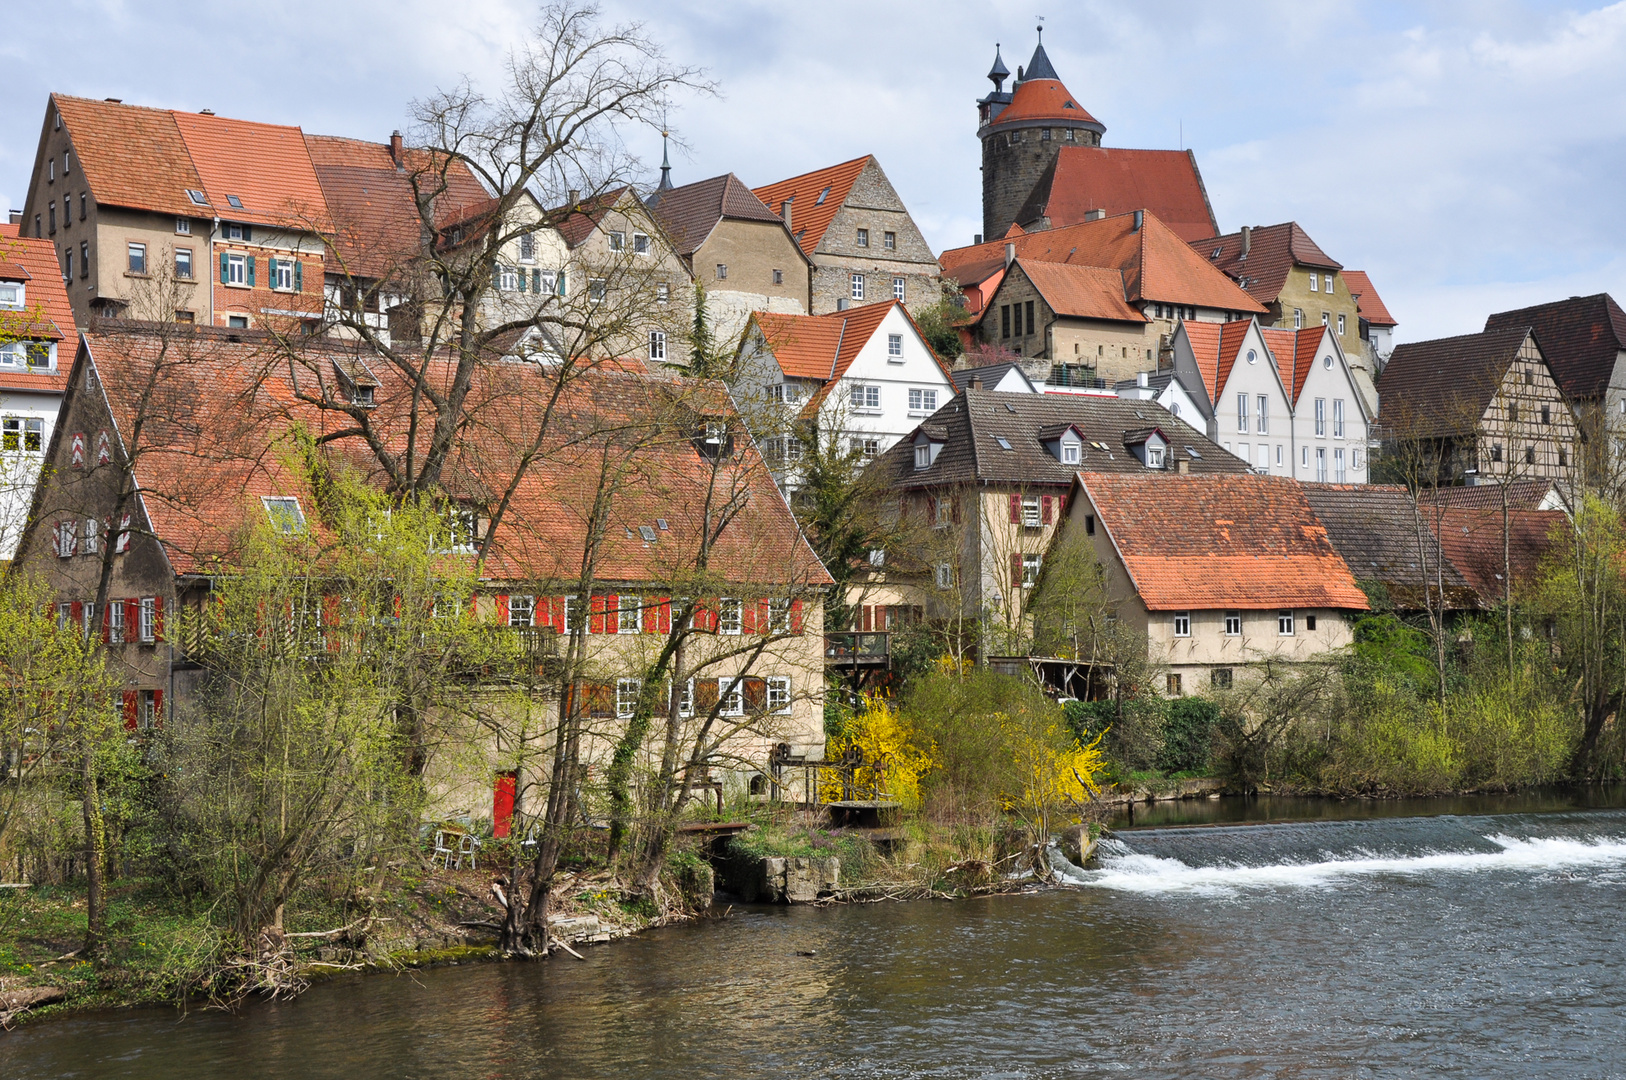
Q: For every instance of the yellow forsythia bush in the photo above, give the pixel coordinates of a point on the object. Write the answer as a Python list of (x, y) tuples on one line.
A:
[(894, 760)]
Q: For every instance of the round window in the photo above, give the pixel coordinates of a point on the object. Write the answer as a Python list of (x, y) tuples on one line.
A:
[(1252, 356), (1326, 361)]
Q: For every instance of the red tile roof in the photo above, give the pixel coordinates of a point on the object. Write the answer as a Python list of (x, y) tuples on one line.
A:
[(1473, 541), (1367, 300), (207, 461), (1273, 250), (372, 203), (811, 216), (1043, 99), (1221, 541), (578, 223), (1086, 292), (1085, 178), (131, 156), (1526, 493), (1295, 353), (1156, 264), (265, 166), (1582, 338)]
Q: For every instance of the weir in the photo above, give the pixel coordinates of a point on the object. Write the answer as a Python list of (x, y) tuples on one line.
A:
[(1318, 853)]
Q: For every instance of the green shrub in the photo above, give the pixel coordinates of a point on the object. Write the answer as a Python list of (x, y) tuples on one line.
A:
[(1188, 735)]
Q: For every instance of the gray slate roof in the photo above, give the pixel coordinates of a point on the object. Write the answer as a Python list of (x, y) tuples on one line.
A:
[(1374, 529), (975, 420)]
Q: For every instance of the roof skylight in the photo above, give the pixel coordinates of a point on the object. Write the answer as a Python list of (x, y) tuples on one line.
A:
[(196, 197), (647, 532), (825, 194), (1004, 443), (235, 201)]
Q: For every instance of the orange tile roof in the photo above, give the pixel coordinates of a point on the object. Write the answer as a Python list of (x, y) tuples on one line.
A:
[(1043, 99), (1284, 349), (49, 315), (809, 216), (130, 155), (1085, 178), (208, 460), (1230, 344), (1273, 250), (267, 167), (1205, 347), (1473, 540), (1221, 541), (1156, 263), (1086, 292), (1367, 300), (823, 347)]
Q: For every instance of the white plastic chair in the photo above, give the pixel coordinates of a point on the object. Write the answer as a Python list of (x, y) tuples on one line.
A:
[(444, 852), (467, 845)]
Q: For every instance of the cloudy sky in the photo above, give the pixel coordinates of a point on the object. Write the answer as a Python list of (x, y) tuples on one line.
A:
[(1469, 154)]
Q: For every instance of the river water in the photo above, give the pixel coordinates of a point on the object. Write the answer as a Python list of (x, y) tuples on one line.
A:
[(1457, 945)]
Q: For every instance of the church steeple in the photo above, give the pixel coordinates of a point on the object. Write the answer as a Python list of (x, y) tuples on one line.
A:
[(1039, 67), (666, 167)]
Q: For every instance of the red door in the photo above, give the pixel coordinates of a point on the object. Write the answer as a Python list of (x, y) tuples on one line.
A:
[(502, 804)]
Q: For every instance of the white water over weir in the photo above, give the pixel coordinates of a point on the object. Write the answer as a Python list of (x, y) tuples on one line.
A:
[(1232, 860)]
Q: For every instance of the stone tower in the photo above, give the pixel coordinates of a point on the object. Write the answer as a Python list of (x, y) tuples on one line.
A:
[(1022, 132)]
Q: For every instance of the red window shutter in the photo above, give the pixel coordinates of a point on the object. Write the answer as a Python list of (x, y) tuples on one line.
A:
[(756, 694), (1016, 571), (330, 610), (502, 609), (158, 620), (748, 617), (706, 615), (157, 708), (502, 804), (131, 709), (796, 616), (1016, 509), (869, 617), (132, 619), (595, 615), (651, 616), (663, 616), (1044, 509), (612, 615), (558, 607), (765, 616), (78, 609)]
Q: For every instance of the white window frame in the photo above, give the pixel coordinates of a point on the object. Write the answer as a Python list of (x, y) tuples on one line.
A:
[(863, 238), (1315, 282), (572, 617), (640, 243), (923, 455), (626, 606), (507, 278), (618, 241), (184, 255), (1072, 453), (922, 400), (657, 344), (115, 622), (1032, 563), (88, 618), (865, 397), (1242, 413), (1321, 464), (730, 616), (1338, 473), (1321, 417), (1298, 318), (132, 252), (945, 575), (889, 241), (1233, 624), (1338, 418), (527, 248), (1182, 624), (1285, 624), (894, 348), (856, 287), (626, 697), (1264, 414), (237, 270), (731, 696), (778, 615), (147, 625), (778, 694), (277, 508), (14, 297), (1154, 457), (1328, 288), (663, 292), (1340, 324), (91, 536), (898, 287), (1031, 514), (519, 604)]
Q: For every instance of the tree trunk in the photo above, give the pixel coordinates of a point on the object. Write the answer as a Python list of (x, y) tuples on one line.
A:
[(95, 856)]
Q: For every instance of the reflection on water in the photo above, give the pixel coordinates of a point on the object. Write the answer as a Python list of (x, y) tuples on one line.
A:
[(1503, 958)]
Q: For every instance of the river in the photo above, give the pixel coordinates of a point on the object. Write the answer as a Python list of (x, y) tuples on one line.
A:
[(1457, 945)]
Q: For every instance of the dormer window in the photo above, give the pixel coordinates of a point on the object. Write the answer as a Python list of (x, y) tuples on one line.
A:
[(362, 396), (13, 295), (927, 447), (286, 516), (1154, 457), (1071, 452), (923, 455)]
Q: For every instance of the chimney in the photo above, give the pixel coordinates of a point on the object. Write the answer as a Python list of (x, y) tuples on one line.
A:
[(395, 148), (1140, 218), (575, 197), (1143, 379), (841, 303), (976, 383), (1182, 466), (16, 217), (1010, 254), (206, 112), (1094, 215), (1247, 241), (976, 238), (784, 212)]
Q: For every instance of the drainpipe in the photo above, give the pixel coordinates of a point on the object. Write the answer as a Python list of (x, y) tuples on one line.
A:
[(214, 232)]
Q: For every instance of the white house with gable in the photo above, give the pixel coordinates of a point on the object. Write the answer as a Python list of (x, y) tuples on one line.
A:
[(1283, 400), (866, 372)]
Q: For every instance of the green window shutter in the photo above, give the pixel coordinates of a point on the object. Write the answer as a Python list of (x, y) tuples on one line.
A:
[(299, 276), (223, 268), (536, 281), (250, 271), (248, 233), (521, 276), (271, 273)]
